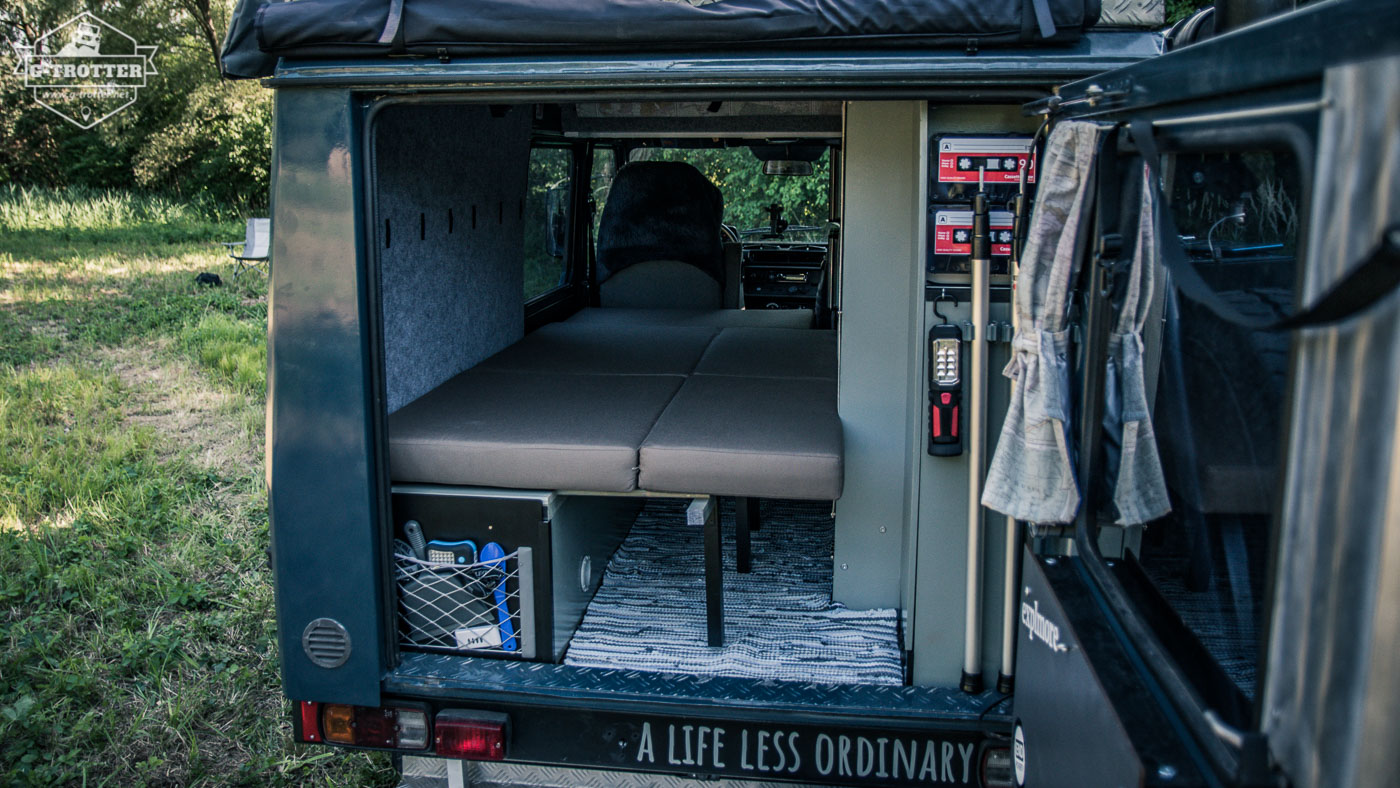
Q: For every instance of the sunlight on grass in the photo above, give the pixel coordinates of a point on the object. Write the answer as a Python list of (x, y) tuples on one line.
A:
[(137, 636), (61, 445), (112, 298), (234, 350), (74, 209)]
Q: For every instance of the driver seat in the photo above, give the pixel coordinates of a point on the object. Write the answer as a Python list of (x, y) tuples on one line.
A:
[(659, 244)]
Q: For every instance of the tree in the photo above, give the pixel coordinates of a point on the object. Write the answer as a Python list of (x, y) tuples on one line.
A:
[(188, 132), (748, 191), (202, 15)]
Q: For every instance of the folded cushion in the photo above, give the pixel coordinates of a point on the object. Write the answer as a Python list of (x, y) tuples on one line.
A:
[(747, 436), (605, 349), (556, 431), (771, 353)]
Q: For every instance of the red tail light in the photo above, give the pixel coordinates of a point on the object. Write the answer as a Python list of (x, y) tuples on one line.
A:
[(310, 721), (375, 727), (474, 735), (389, 727)]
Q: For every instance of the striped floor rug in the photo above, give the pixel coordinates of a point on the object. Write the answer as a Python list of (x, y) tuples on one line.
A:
[(780, 622)]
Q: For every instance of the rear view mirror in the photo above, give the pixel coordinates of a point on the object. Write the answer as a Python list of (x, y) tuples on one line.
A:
[(556, 231), (787, 167)]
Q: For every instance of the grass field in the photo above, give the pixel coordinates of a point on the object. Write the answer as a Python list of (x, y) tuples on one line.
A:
[(137, 638)]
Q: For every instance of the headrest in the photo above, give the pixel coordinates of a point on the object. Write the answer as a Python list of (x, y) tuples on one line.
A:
[(661, 210)]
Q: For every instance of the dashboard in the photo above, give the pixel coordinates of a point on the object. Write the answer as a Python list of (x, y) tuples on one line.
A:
[(783, 275)]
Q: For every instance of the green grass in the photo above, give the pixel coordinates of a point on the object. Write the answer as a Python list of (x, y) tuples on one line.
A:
[(233, 350), (75, 209), (137, 637)]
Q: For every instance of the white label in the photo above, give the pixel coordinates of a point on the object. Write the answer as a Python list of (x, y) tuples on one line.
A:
[(479, 637), (1040, 627), (985, 145), (1018, 755)]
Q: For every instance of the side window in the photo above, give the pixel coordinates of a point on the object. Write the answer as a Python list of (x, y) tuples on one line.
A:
[(1219, 411), (600, 183), (547, 220)]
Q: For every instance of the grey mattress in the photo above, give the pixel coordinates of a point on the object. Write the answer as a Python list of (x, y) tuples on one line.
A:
[(606, 350), (561, 431), (759, 437), (604, 406), (718, 318)]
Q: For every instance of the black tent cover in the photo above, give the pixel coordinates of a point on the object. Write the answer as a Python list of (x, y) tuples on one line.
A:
[(262, 31)]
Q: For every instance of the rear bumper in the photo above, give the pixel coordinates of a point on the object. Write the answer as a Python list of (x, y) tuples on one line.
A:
[(686, 726)]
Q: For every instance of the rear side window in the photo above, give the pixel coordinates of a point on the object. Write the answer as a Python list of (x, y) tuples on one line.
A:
[(547, 200), (1220, 405)]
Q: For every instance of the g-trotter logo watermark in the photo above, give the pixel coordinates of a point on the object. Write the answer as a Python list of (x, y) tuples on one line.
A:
[(85, 70)]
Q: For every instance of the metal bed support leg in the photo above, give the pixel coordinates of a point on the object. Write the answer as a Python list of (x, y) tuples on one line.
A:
[(745, 520), (702, 511)]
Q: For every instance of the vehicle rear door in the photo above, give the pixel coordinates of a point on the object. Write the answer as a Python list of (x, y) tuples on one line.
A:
[(1238, 639)]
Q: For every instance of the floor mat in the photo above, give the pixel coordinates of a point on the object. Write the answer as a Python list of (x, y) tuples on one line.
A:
[(1225, 615), (779, 620)]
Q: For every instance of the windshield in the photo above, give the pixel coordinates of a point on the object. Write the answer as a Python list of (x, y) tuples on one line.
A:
[(749, 192)]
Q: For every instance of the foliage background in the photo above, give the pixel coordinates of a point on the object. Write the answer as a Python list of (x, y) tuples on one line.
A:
[(192, 134), (747, 191), (189, 134)]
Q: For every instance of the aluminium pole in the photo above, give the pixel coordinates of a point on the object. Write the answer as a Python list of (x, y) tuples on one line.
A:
[(976, 437), (1011, 581)]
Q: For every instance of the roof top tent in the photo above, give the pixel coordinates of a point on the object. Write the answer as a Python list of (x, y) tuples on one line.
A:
[(583, 456)]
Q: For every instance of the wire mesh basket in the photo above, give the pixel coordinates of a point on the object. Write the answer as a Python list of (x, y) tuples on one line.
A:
[(481, 608)]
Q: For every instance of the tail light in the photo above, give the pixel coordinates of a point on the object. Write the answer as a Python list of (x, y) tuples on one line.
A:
[(996, 768), (310, 730), (388, 727), (473, 735)]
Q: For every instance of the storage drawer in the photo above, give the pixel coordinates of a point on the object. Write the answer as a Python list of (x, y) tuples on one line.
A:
[(553, 549)]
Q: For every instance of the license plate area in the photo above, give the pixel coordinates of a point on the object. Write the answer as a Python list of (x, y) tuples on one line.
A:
[(804, 749)]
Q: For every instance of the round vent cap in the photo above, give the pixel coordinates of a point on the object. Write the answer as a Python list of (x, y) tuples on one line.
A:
[(326, 643)]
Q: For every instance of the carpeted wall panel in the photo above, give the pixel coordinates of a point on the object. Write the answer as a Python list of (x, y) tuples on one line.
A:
[(449, 197)]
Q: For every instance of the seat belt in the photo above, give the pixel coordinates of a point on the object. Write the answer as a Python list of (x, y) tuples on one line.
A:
[(1375, 278)]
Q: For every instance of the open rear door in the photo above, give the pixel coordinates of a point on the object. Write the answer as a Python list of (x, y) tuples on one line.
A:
[(1213, 615)]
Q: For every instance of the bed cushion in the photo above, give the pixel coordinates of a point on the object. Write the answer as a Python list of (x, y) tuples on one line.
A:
[(605, 349), (747, 436), (492, 428), (771, 353), (719, 318)]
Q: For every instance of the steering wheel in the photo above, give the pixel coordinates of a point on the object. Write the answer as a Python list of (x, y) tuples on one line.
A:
[(729, 234)]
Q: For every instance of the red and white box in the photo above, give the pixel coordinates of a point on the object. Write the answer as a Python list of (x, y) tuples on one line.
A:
[(961, 159), (952, 232)]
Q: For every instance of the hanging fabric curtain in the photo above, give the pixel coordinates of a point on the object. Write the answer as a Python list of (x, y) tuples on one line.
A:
[(1140, 490), (1032, 474)]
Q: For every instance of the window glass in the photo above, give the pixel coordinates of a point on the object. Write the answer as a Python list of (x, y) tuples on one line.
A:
[(547, 220), (748, 191), (1220, 396), (600, 183)]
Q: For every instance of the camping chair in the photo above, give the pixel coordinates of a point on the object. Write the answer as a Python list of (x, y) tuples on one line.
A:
[(255, 246)]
